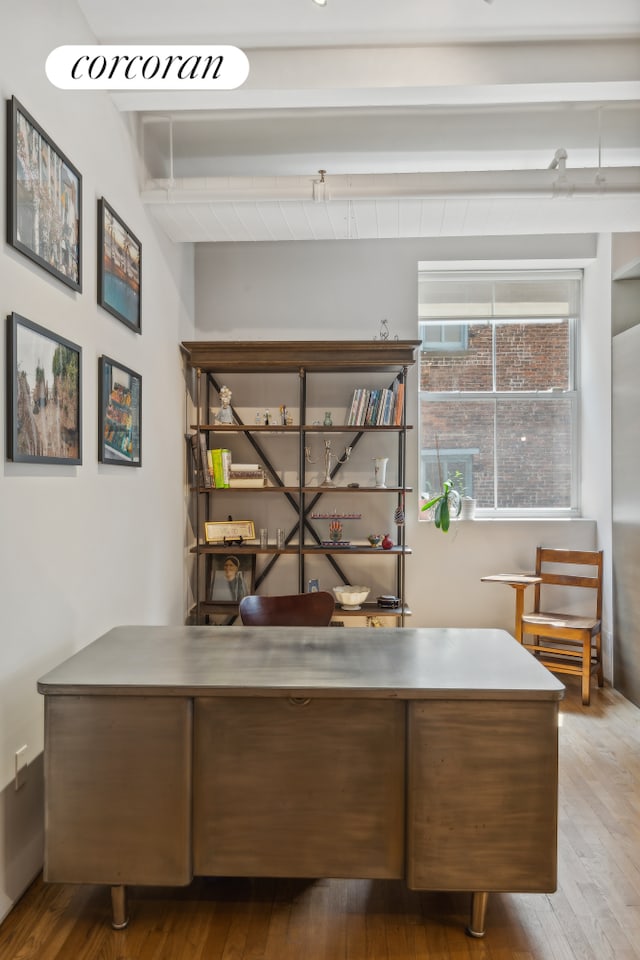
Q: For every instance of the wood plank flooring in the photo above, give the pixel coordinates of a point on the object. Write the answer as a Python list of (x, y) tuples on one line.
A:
[(594, 915)]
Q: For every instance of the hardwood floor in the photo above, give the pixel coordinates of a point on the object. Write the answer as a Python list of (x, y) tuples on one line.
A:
[(594, 915)]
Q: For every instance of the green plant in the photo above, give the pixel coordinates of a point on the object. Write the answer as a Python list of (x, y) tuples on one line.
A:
[(445, 504)]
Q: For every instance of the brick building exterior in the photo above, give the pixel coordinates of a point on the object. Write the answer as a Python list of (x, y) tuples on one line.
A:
[(530, 436)]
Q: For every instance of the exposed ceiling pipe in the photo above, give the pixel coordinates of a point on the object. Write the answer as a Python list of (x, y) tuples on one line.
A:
[(493, 183)]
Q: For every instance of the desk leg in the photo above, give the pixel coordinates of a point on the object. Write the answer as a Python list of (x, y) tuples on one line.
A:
[(519, 588), (478, 914), (119, 912)]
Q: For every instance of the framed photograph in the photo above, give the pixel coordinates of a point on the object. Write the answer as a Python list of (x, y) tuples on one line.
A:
[(44, 389), (44, 199), (119, 268), (229, 531), (232, 576), (119, 414)]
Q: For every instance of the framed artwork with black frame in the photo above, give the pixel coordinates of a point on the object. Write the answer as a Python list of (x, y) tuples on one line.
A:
[(232, 576), (44, 395), (119, 268), (44, 199), (119, 414)]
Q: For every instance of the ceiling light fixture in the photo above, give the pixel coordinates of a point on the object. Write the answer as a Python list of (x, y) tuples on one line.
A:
[(321, 189), (561, 186), (320, 3)]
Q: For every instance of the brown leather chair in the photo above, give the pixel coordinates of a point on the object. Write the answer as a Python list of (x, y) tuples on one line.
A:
[(293, 610), (567, 642)]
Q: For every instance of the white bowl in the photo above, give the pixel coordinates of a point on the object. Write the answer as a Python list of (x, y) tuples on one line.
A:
[(350, 597)]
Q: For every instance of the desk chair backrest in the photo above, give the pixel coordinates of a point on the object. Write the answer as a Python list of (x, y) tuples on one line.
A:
[(548, 560), (293, 610)]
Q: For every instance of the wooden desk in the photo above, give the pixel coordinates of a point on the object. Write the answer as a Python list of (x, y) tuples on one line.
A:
[(429, 755), (519, 582)]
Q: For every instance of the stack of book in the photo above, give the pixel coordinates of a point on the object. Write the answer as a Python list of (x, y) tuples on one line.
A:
[(377, 408), (246, 475), (219, 466)]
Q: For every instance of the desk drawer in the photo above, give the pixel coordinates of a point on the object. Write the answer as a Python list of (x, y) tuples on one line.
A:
[(309, 789), (118, 789), (482, 795)]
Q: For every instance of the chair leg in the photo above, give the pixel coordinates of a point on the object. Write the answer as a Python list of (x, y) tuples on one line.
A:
[(599, 674), (586, 671)]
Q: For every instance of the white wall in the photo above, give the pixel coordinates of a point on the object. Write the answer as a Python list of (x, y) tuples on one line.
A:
[(625, 321), (83, 548), (339, 289)]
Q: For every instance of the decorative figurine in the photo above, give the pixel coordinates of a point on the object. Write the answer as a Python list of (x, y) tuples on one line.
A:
[(225, 414), (284, 415), (384, 331), (328, 421), (387, 542), (267, 418)]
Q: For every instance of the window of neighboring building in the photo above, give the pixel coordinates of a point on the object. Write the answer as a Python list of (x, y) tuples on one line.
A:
[(498, 397)]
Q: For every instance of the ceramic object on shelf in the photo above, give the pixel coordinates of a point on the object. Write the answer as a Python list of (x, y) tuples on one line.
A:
[(388, 602), (467, 508), (351, 597), (387, 542), (380, 470), (375, 539)]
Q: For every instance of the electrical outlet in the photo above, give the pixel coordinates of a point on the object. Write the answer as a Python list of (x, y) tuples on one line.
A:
[(21, 767)]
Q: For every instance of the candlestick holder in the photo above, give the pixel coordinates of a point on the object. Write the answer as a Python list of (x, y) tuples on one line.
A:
[(328, 457)]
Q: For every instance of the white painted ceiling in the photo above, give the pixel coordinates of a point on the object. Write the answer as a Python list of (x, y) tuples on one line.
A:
[(411, 106)]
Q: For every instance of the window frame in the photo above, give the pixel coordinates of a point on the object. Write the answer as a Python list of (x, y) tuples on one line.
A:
[(572, 393)]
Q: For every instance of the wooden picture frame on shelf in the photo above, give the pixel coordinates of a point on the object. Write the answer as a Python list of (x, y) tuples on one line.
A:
[(233, 576), (231, 532), (44, 199), (44, 395), (119, 414), (119, 268)]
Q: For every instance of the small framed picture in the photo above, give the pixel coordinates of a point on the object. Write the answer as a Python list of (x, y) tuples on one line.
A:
[(44, 391), (44, 199), (229, 531), (232, 576), (119, 414), (313, 586), (119, 268)]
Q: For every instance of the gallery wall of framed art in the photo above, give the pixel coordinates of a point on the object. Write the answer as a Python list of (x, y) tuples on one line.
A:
[(43, 383)]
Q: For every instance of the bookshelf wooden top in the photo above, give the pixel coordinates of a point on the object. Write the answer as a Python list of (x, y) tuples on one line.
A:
[(292, 355), (276, 428)]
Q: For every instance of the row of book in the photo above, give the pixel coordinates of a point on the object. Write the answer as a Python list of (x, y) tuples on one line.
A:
[(377, 408), (217, 469)]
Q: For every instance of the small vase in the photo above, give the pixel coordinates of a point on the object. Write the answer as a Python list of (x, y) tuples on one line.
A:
[(380, 470), (387, 542), (467, 508)]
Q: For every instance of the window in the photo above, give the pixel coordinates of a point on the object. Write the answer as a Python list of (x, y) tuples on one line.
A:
[(498, 398)]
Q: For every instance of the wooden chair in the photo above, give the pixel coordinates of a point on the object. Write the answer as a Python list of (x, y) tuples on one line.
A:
[(567, 642), (293, 610)]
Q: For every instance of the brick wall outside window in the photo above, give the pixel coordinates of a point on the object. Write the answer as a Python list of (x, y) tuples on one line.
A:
[(525, 425)]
